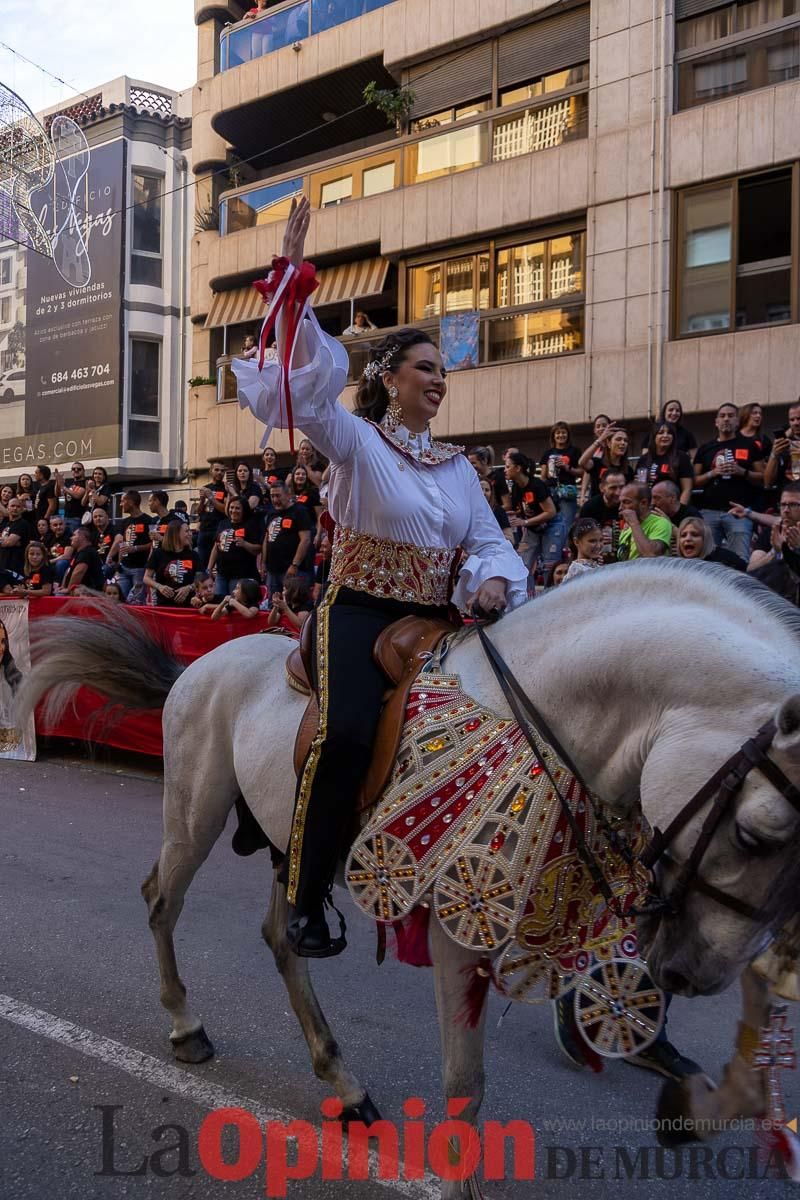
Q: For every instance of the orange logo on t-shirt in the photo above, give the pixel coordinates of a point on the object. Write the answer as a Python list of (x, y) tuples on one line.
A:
[(742, 455), (286, 523), (528, 497)]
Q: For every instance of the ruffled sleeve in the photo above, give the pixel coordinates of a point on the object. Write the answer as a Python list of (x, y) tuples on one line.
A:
[(489, 554), (315, 390)]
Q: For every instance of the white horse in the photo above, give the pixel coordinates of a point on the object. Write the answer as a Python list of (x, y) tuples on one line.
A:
[(649, 674)]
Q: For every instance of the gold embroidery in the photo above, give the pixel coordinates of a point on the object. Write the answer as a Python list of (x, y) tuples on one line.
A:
[(430, 455), (391, 570), (9, 740), (312, 762)]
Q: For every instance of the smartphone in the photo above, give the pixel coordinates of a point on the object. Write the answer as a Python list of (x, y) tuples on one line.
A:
[(779, 433)]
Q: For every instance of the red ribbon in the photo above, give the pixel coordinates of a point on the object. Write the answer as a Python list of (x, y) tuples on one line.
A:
[(293, 301)]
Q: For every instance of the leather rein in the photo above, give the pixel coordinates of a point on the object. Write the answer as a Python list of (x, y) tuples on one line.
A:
[(722, 788)]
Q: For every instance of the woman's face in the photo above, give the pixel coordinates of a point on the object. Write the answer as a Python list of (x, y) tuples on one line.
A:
[(243, 473), (663, 441), (25, 483), (512, 471), (35, 556), (420, 383), (306, 451), (673, 412), (42, 528), (600, 425), (100, 519), (269, 458), (486, 488), (560, 574), (300, 477), (591, 544), (235, 512), (756, 416), (185, 538), (6, 492), (618, 444), (690, 542), (560, 438), (99, 476)]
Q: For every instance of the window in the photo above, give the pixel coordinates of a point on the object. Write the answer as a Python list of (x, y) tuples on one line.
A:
[(739, 61), (446, 154), (5, 270), (146, 256), (144, 422), (336, 191), (259, 206), (717, 289), (573, 77), (5, 311), (378, 179), (466, 286), (448, 115), (539, 128), (539, 271)]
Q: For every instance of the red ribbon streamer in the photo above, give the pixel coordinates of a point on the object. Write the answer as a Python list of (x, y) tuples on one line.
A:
[(302, 282)]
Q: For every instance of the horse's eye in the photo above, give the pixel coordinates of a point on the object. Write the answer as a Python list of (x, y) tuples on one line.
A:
[(750, 843)]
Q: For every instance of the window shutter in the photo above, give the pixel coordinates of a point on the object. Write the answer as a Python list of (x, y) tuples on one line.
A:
[(452, 80), (543, 47), (693, 8)]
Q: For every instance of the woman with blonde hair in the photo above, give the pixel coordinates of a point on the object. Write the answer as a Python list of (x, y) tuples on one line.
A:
[(696, 542)]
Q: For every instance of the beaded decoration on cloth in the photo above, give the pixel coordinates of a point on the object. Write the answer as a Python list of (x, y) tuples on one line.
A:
[(391, 570), (471, 824), (430, 454)]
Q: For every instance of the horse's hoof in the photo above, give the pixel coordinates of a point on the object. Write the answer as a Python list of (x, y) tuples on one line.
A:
[(365, 1112), (193, 1047)]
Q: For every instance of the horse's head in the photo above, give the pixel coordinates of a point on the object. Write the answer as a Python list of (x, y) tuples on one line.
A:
[(752, 860)]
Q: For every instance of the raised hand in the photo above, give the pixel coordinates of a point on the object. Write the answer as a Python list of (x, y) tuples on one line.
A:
[(294, 239)]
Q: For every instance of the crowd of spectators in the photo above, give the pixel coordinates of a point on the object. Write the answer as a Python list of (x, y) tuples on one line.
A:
[(259, 541)]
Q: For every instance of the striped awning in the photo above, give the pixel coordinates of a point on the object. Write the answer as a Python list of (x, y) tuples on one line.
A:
[(349, 281)]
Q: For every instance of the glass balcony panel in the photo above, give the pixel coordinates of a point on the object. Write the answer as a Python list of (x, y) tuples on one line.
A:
[(537, 334), (379, 179), (705, 277), (540, 128), (426, 292), (327, 13), (226, 382), (448, 153), (257, 38), (259, 206)]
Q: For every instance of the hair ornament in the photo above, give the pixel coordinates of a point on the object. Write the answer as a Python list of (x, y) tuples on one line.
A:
[(376, 368)]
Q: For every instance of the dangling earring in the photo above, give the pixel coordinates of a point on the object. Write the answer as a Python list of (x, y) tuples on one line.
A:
[(394, 413)]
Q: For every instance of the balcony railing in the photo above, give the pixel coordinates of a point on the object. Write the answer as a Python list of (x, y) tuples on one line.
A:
[(504, 336), (416, 159), (286, 25)]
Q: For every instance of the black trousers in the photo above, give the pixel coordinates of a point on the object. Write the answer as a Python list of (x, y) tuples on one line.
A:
[(351, 689)]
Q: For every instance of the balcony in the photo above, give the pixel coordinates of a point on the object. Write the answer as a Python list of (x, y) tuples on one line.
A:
[(505, 336), (418, 158), (287, 24)]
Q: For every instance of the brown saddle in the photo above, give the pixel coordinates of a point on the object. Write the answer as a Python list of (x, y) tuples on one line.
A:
[(400, 652)]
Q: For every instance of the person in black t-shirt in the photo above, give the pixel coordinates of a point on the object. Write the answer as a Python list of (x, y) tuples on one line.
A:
[(559, 469), (213, 498), (606, 511), (15, 533), (500, 514), (46, 499), (57, 546), (534, 512), (783, 464), (103, 535), (245, 487), (38, 578), (26, 492), (695, 542), (685, 441), (272, 473), (730, 470), (98, 492), (172, 566), (236, 548), (73, 490), (666, 498), (131, 546), (481, 459), (608, 452), (287, 539), (85, 568), (663, 460)]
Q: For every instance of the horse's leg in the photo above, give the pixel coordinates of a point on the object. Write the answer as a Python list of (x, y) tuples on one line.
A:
[(188, 838), (742, 1091), (326, 1057), (462, 1041)]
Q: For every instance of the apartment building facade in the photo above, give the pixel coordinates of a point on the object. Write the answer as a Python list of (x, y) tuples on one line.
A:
[(601, 199)]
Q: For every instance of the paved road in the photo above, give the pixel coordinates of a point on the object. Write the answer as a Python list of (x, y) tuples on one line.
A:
[(81, 1028)]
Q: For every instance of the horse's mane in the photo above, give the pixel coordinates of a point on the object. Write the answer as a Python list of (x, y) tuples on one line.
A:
[(650, 575)]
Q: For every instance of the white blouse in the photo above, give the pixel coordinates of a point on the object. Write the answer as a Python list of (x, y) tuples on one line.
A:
[(376, 489)]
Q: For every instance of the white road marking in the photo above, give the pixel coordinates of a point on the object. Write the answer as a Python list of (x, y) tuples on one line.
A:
[(173, 1079)]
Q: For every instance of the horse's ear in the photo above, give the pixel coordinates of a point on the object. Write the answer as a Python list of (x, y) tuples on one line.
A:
[(787, 720)]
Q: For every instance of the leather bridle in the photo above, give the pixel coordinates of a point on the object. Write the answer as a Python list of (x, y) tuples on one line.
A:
[(721, 789)]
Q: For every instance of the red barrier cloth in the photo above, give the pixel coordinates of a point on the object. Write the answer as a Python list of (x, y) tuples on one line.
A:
[(189, 636)]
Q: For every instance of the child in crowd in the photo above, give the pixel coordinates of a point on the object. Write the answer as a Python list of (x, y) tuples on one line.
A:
[(290, 608), (203, 599), (244, 600), (586, 547), (113, 592), (39, 577)]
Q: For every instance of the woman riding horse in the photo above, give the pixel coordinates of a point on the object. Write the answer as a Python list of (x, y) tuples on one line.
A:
[(403, 504)]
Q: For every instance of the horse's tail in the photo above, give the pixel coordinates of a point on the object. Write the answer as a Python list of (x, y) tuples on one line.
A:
[(112, 653)]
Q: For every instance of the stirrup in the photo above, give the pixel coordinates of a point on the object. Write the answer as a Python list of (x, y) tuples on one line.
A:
[(313, 939)]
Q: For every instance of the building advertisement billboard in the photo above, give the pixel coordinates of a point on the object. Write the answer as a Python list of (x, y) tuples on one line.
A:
[(61, 384)]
